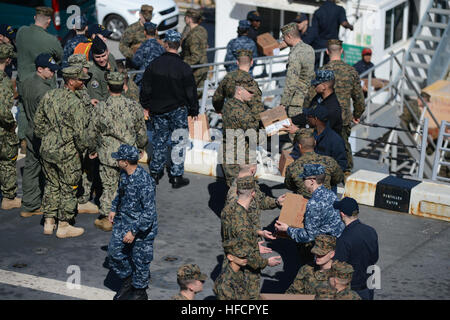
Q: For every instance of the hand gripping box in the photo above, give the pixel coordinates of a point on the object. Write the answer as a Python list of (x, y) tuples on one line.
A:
[(292, 212), (274, 120), (267, 44)]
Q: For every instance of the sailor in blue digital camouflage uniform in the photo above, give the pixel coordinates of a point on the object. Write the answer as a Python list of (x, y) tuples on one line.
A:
[(241, 42), (320, 216), (133, 214), (148, 51), (80, 29)]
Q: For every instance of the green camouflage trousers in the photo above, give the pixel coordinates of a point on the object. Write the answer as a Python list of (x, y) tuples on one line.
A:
[(109, 177), (8, 174), (8, 178), (200, 75), (346, 131), (230, 285), (59, 200)]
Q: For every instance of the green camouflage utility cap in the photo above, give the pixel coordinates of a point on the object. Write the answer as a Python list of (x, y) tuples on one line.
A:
[(341, 270), (288, 28), (147, 11), (235, 248), (45, 11), (7, 51), (79, 60), (246, 84), (245, 183), (244, 52), (190, 272), (323, 244), (115, 78), (75, 72), (194, 13)]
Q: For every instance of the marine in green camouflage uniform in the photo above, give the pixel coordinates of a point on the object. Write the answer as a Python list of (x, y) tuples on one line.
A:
[(347, 86), (9, 142), (260, 202), (60, 123), (89, 167), (309, 279), (194, 47), (300, 70), (226, 87), (333, 172), (190, 279), (231, 283), (134, 35), (97, 86), (237, 115), (116, 121), (33, 181), (237, 225), (339, 282)]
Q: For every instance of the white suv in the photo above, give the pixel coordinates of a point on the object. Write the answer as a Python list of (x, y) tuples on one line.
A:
[(117, 15)]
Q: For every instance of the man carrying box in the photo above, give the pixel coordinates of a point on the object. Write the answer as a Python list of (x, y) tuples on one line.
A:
[(320, 216)]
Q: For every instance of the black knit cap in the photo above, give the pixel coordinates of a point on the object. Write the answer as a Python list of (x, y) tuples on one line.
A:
[(98, 46)]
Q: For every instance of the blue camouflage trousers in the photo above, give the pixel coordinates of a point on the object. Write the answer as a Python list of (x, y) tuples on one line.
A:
[(130, 259), (164, 126)]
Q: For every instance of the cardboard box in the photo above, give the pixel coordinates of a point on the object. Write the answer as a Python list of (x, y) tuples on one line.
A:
[(279, 296), (439, 104), (199, 130), (292, 212), (274, 119), (266, 44), (285, 161)]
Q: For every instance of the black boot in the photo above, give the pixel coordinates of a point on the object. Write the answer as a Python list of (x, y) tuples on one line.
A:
[(124, 290), (178, 182), (157, 176), (137, 294)]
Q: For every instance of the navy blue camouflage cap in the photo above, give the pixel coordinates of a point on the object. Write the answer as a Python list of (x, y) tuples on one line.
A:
[(244, 24), (7, 31), (312, 170), (126, 152), (347, 205), (300, 18), (322, 76), (45, 60), (80, 22), (172, 36), (253, 16), (97, 28), (149, 26), (320, 112)]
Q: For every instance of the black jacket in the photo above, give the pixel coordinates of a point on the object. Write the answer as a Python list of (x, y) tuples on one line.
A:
[(358, 246), (168, 83)]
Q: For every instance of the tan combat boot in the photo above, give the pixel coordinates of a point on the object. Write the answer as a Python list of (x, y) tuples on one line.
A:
[(87, 207), (49, 226), (8, 204), (27, 214), (65, 230), (103, 224)]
